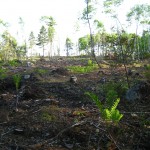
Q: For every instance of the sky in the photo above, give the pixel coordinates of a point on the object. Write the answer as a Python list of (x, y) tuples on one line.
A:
[(65, 13)]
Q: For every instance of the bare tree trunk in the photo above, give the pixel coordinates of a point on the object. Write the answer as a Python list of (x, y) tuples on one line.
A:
[(91, 37)]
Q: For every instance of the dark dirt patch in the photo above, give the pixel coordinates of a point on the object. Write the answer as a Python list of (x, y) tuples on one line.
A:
[(54, 114)]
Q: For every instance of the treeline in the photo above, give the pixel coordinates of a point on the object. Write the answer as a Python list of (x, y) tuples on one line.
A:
[(118, 45)]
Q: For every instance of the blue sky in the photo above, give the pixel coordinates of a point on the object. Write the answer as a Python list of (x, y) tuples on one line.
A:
[(65, 12)]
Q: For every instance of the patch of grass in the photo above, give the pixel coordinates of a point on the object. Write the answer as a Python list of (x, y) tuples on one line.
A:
[(137, 65), (45, 116), (41, 71), (14, 63), (50, 114), (82, 69), (105, 66)]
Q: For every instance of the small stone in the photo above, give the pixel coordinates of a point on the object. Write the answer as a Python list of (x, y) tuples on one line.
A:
[(18, 131), (130, 72), (73, 79), (27, 76)]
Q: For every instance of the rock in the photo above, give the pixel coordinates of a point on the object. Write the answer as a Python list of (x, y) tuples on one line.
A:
[(132, 94), (102, 80), (138, 91), (18, 131), (27, 76), (73, 79), (130, 72)]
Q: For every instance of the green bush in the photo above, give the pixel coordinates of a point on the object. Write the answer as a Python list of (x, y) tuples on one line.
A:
[(41, 71)]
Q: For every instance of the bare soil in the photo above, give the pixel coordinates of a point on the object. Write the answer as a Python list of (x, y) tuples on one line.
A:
[(55, 114)]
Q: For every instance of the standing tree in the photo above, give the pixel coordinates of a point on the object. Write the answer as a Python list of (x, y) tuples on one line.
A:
[(69, 46), (42, 38), (23, 42), (31, 42), (87, 15), (141, 15), (98, 36), (50, 22), (8, 47), (83, 44)]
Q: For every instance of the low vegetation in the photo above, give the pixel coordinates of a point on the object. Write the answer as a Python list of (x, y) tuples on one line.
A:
[(72, 114)]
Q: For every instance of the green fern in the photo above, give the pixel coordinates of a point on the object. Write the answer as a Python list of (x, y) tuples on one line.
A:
[(106, 115), (109, 114), (95, 99), (116, 116), (114, 106)]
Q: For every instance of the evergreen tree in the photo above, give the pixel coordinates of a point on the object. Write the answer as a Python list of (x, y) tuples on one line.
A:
[(31, 41), (42, 38), (69, 46)]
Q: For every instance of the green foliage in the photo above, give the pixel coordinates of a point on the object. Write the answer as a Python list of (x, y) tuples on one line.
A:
[(109, 114), (8, 45), (2, 73), (17, 80), (69, 46), (111, 96), (41, 71), (13, 63), (90, 62), (31, 40), (82, 69), (147, 67), (147, 72), (42, 38), (96, 100), (45, 116), (89, 11), (139, 12), (115, 89), (84, 43)]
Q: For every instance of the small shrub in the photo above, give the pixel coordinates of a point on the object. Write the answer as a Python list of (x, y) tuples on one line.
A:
[(45, 116), (14, 63), (17, 80), (90, 62)]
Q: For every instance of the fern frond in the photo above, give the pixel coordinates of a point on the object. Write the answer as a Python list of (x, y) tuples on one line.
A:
[(116, 116), (95, 99), (106, 114), (115, 105)]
